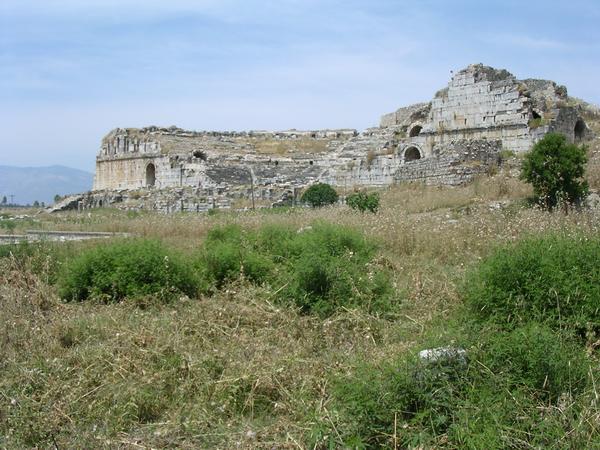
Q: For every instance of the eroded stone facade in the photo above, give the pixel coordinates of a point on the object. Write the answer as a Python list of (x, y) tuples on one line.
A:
[(457, 135)]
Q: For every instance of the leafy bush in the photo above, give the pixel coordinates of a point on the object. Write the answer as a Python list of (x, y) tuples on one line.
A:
[(320, 269), (553, 278), (497, 392), (555, 169), (227, 255), (320, 194), (126, 269), (332, 269), (536, 358), (364, 201)]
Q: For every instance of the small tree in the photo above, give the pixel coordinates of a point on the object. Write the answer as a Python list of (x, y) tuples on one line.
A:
[(57, 198), (319, 194), (36, 204), (4, 200), (363, 201), (555, 168)]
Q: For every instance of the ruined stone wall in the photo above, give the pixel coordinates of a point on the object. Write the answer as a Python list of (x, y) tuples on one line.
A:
[(485, 103), (481, 104), (404, 117), (458, 164), (122, 173), (449, 140), (200, 159)]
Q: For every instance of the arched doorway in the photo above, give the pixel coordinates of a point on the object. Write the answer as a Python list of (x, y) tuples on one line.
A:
[(580, 129), (415, 131), (150, 175), (412, 154)]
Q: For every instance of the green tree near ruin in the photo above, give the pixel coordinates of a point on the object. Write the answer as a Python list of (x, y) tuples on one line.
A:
[(555, 169), (4, 200), (363, 201), (320, 194)]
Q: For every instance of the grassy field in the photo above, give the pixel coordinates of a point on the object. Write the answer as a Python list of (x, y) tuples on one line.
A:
[(240, 369)]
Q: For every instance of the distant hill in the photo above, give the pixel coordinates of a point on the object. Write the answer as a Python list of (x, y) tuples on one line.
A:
[(29, 184)]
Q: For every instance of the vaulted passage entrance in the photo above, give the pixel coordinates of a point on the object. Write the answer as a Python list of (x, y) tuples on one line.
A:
[(150, 175), (412, 154), (580, 130), (415, 131)]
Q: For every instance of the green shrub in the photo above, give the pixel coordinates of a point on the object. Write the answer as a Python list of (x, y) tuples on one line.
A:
[(320, 194), (497, 392), (320, 269), (228, 254), (126, 269), (363, 201), (553, 278), (555, 169), (536, 358)]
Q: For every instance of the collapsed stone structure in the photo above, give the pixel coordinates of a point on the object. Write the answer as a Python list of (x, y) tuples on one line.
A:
[(458, 134)]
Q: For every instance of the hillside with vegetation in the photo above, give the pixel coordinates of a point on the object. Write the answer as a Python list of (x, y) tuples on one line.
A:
[(303, 327)]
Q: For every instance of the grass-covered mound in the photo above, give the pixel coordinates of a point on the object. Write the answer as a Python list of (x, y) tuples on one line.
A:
[(526, 380), (507, 392), (551, 278), (320, 269), (126, 269)]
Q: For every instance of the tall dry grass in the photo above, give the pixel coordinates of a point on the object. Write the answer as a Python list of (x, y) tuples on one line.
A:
[(235, 370)]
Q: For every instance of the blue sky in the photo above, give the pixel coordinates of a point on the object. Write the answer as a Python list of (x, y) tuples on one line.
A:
[(71, 70)]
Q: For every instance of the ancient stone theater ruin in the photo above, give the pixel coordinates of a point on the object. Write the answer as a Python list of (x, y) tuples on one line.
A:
[(449, 140)]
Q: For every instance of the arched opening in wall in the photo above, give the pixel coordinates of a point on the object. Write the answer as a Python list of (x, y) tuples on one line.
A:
[(150, 175), (580, 130), (415, 131), (412, 154), (535, 115)]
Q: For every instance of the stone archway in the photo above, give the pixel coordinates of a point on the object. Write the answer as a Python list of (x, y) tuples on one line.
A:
[(412, 154), (150, 175), (580, 129), (415, 131)]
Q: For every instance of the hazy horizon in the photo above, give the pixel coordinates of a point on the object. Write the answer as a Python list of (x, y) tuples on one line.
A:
[(71, 71)]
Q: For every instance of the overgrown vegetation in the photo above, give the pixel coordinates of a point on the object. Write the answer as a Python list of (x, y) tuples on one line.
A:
[(530, 303), (320, 194), (552, 278), (515, 389), (8, 225), (256, 361), (320, 268), (122, 270), (555, 169), (363, 201)]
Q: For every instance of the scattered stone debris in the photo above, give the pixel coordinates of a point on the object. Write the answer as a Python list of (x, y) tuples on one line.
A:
[(593, 201), (446, 355)]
